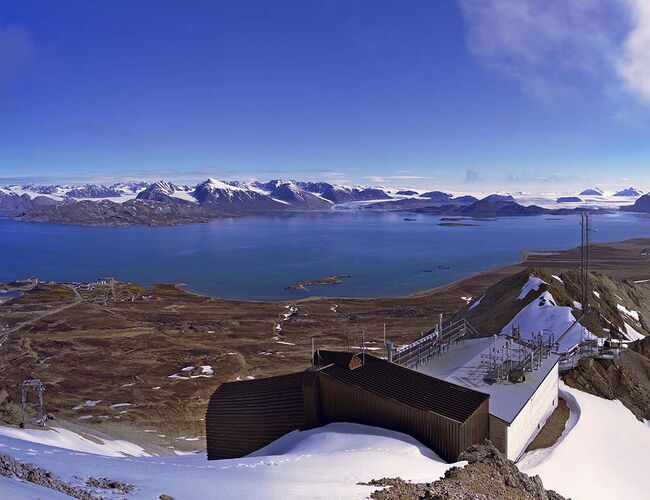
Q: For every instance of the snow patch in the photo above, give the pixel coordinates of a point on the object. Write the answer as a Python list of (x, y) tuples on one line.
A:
[(631, 333), (532, 284), (476, 303), (543, 314), (606, 439), (64, 438), (206, 371), (632, 314), (120, 405), (327, 462), (87, 404)]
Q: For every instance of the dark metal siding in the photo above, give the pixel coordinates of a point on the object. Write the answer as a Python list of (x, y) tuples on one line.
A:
[(311, 397), (499, 434), (477, 428), (245, 416), (343, 402)]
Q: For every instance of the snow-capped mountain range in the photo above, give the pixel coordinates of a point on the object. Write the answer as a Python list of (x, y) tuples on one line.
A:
[(214, 196), (233, 196), (627, 192)]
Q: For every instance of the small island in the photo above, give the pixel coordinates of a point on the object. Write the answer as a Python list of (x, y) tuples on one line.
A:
[(336, 279), (456, 224), (568, 199)]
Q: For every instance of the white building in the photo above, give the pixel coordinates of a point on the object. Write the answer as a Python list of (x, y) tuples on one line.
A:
[(518, 409)]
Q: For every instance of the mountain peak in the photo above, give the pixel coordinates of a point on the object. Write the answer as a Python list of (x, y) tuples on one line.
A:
[(592, 192), (629, 192)]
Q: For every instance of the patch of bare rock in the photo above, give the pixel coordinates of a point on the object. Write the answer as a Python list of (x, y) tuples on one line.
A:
[(487, 476)]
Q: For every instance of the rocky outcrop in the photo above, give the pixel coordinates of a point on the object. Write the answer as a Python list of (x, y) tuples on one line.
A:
[(109, 484), (437, 196), (164, 192), (592, 192), (222, 197), (130, 213), (641, 205), (492, 206), (630, 192), (487, 476), (344, 194), (299, 199), (10, 467), (94, 191)]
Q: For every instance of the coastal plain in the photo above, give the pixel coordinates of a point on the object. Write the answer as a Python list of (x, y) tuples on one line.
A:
[(141, 362)]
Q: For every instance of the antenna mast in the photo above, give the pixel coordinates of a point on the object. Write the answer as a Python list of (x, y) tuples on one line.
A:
[(585, 225)]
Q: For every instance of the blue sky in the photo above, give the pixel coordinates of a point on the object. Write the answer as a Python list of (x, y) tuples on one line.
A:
[(466, 95)]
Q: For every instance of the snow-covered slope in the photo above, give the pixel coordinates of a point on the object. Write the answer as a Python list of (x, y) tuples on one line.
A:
[(117, 193), (255, 196), (289, 192), (544, 315), (345, 194), (15, 489), (93, 191), (328, 462), (64, 438), (534, 301), (166, 192), (229, 198), (601, 455)]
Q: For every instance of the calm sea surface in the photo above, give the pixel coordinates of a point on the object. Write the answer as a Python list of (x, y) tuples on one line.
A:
[(256, 257)]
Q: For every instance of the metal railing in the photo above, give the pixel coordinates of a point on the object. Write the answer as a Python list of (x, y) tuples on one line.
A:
[(587, 349), (435, 342)]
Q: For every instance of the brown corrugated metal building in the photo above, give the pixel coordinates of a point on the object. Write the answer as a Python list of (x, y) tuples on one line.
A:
[(247, 415), (244, 416)]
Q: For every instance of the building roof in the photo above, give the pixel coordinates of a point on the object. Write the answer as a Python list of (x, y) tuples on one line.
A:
[(343, 359), (465, 364), (409, 387)]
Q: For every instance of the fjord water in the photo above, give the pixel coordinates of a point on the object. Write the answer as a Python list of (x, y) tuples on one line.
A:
[(257, 257)]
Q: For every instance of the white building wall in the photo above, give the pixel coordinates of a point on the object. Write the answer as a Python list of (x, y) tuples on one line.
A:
[(532, 417)]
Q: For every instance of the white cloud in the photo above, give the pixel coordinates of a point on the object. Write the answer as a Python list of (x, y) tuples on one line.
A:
[(563, 47), (385, 178), (634, 64)]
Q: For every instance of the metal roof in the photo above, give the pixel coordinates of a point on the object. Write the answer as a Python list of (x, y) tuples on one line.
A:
[(412, 388), (465, 364), (343, 359)]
